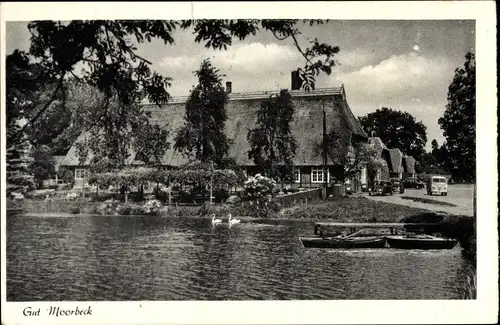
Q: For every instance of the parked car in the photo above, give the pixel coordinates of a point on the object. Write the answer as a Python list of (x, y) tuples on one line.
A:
[(437, 185), (364, 187), (397, 186), (381, 188), (413, 182)]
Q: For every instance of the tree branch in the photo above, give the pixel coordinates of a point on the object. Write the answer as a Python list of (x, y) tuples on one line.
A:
[(132, 53), (51, 100), (76, 77), (296, 42)]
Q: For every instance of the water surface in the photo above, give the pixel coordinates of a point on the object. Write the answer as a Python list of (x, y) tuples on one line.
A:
[(155, 258)]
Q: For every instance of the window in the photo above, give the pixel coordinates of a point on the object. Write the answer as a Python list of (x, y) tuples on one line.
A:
[(296, 175), (317, 175), (79, 173)]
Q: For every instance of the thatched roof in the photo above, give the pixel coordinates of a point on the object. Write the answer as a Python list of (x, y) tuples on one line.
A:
[(409, 164), (378, 144), (241, 111), (396, 160), (72, 158)]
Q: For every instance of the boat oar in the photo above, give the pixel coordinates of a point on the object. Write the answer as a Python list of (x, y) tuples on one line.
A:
[(355, 233)]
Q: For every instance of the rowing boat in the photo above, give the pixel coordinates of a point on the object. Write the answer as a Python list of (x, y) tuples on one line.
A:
[(340, 242), (412, 241)]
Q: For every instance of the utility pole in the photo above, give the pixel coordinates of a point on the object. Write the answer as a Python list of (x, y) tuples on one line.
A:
[(211, 181), (325, 148)]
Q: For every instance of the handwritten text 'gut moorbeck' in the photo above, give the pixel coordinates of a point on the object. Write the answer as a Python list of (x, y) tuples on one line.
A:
[(57, 311)]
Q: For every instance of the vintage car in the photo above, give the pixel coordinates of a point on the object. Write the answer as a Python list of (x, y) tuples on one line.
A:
[(437, 185), (397, 186), (381, 188), (413, 182)]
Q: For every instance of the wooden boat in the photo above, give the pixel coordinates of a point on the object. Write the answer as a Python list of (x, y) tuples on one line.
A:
[(343, 242), (14, 211), (412, 241)]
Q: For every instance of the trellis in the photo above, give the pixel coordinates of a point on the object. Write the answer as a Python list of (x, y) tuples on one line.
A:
[(188, 174)]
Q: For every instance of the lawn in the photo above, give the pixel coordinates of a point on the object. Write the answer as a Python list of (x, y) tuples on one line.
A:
[(350, 209)]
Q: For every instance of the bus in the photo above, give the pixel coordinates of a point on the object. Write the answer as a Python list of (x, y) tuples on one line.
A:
[(437, 185)]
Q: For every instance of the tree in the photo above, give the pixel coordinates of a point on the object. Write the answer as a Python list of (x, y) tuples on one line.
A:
[(62, 122), (43, 164), (202, 137), (435, 146), (397, 129), (114, 132), (366, 156), (272, 145), (19, 177), (459, 120), (107, 50), (23, 81), (348, 159), (436, 161)]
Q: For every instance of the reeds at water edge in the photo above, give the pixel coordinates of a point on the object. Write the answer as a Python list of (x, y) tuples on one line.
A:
[(470, 285)]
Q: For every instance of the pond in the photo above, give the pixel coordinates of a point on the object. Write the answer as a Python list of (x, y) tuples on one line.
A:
[(116, 258)]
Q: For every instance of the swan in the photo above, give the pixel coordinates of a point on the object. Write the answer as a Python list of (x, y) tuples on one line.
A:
[(232, 221), (215, 221)]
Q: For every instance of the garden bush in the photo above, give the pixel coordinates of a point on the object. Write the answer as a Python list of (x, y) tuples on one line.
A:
[(108, 207), (124, 209), (258, 187), (152, 207), (221, 195)]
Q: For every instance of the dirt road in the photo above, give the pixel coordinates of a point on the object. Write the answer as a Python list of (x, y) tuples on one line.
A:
[(460, 195)]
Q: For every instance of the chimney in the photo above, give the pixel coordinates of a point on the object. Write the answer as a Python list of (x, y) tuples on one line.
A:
[(296, 81), (229, 87)]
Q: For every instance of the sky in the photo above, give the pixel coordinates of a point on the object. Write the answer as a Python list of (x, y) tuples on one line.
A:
[(404, 65)]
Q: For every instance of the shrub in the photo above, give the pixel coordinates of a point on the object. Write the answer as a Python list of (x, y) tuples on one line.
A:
[(221, 195), (152, 207), (258, 187), (74, 209), (92, 209), (124, 209), (185, 197), (136, 210), (108, 207), (258, 208)]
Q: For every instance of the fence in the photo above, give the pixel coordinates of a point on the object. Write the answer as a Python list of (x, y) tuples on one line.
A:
[(288, 200)]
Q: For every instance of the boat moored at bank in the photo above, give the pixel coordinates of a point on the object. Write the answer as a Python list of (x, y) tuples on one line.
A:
[(413, 241), (339, 242)]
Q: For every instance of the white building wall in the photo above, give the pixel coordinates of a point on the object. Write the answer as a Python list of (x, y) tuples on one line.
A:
[(364, 178)]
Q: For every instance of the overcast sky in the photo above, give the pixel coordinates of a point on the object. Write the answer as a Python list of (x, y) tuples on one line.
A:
[(404, 65)]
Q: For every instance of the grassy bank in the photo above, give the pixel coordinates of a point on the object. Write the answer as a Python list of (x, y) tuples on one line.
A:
[(462, 228), (470, 286), (350, 209)]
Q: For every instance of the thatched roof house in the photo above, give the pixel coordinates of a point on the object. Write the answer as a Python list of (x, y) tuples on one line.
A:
[(396, 164), (241, 110), (395, 161), (409, 166)]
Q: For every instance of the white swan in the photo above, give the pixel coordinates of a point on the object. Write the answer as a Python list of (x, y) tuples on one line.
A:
[(215, 221), (232, 221)]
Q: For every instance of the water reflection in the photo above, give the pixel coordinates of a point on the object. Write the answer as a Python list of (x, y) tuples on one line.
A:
[(154, 258)]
